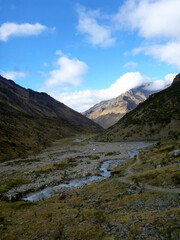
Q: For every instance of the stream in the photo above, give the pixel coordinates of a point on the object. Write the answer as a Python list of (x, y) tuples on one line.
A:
[(104, 172)]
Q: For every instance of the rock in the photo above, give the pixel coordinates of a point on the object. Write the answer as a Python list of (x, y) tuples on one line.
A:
[(62, 196), (111, 224), (12, 196), (120, 194), (102, 208), (176, 153), (134, 221), (128, 192), (159, 166), (117, 229), (149, 232)]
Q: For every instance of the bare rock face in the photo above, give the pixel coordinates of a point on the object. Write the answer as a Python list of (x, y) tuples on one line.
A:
[(107, 113)]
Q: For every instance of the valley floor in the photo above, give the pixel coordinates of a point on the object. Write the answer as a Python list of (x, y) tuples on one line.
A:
[(140, 201)]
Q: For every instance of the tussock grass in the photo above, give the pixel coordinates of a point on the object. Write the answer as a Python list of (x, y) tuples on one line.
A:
[(10, 183), (86, 214), (112, 153), (62, 165)]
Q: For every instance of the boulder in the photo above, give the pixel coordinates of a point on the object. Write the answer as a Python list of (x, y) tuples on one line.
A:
[(176, 153), (11, 196)]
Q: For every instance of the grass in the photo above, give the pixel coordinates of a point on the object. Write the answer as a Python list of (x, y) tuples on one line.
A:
[(104, 210), (87, 214), (157, 166), (62, 165), (120, 171), (19, 162), (93, 157), (112, 153), (165, 176), (10, 183)]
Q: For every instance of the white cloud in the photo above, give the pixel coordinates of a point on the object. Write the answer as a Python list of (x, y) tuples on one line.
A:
[(12, 75), (68, 70), (152, 19), (169, 53), (157, 21), (26, 29), (161, 84), (96, 34), (130, 65), (83, 100)]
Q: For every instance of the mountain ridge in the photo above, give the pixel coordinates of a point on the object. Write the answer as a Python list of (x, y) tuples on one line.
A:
[(156, 118), (31, 121), (108, 112)]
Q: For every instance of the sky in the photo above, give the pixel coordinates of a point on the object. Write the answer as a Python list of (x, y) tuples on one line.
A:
[(83, 52)]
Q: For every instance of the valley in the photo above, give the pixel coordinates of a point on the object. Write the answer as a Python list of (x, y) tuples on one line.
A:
[(63, 177), (141, 198), (62, 163)]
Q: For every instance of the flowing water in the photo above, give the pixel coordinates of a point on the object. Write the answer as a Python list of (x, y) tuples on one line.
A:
[(104, 172)]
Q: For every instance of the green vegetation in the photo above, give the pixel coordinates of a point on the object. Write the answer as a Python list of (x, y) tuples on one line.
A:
[(156, 118), (157, 165), (102, 211), (112, 153), (12, 182), (106, 210), (56, 166)]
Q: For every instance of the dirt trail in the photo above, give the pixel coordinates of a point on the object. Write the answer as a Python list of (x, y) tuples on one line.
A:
[(130, 172)]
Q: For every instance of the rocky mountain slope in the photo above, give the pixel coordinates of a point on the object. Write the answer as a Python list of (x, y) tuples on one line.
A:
[(107, 113), (156, 118), (31, 120)]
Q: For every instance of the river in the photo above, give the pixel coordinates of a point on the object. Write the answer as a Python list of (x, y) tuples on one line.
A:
[(104, 174)]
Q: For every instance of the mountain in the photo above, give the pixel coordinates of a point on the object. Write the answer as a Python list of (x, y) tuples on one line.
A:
[(30, 120), (107, 113), (156, 118)]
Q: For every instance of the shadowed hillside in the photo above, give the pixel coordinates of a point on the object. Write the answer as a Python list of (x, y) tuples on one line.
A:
[(30, 120), (156, 118)]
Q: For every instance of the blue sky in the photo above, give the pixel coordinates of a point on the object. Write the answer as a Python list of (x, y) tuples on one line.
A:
[(83, 52)]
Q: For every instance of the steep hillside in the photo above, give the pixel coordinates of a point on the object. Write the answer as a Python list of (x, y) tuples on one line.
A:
[(156, 118), (30, 120), (107, 113)]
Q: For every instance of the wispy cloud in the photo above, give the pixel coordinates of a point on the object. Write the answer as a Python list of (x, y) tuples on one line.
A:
[(10, 29), (130, 64), (96, 33), (68, 71), (13, 74), (161, 84)]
